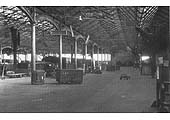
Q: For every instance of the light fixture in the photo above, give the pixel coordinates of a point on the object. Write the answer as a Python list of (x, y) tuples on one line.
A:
[(80, 18), (145, 58)]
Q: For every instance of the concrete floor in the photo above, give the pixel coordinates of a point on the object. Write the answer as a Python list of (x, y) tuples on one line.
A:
[(98, 93)]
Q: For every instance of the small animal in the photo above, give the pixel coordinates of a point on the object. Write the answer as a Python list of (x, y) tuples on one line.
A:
[(124, 77)]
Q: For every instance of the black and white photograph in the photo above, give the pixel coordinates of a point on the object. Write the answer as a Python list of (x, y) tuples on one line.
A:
[(84, 59)]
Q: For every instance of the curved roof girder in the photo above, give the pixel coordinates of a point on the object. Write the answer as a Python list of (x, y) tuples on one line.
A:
[(79, 37), (24, 32), (49, 19), (23, 9)]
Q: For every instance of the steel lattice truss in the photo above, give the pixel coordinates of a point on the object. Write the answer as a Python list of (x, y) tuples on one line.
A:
[(112, 28)]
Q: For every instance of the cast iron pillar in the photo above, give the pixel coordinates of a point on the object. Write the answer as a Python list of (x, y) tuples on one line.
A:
[(1, 54), (33, 56), (60, 52), (92, 57), (97, 56), (75, 53), (101, 57), (85, 56), (105, 56), (14, 36)]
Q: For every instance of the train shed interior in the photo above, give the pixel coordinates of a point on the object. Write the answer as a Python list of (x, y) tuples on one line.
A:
[(88, 59)]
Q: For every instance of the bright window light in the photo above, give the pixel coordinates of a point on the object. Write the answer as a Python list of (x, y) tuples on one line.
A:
[(145, 58)]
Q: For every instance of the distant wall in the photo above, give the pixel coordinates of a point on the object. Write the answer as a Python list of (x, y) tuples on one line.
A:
[(122, 57)]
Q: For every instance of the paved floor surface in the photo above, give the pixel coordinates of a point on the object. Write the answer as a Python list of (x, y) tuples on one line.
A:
[(98, 93)]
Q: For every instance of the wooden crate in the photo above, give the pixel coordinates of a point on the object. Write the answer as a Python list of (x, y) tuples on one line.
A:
[(38, 77)]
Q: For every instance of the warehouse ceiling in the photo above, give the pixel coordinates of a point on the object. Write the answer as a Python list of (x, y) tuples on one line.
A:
[(112, 28)]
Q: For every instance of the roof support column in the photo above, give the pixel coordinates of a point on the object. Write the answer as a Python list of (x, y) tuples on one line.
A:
[(14, 35), (97, 56), (72, 52), (33, 52), (75, 53), (33, 46), (60, 52), (92, 57), (104, 59), (1, 53), (33, 56), (85, 56), (101, 57), (85, 52), (104, 56), (107, 57), (25, 57)]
